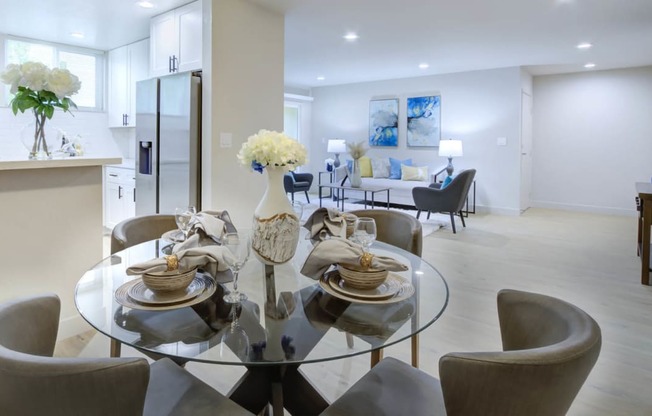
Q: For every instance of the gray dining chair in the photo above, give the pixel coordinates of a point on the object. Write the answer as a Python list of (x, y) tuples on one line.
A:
[(403, 231), (549, 349), (34, 383), (450, 199), (139, 229)]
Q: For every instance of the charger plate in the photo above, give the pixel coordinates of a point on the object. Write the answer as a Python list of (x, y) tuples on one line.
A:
[(141, 294), (405, 290), (123, 298), (386, 290)]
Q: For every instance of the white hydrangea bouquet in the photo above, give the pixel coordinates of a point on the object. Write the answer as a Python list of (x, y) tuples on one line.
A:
[(37, 87), (273, 149)]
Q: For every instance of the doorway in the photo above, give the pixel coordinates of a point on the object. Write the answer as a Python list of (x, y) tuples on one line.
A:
[(526, 150)]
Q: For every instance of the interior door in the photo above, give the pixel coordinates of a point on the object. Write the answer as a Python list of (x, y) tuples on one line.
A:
[(526, 150)]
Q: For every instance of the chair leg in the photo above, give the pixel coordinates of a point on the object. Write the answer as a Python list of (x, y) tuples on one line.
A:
[(428, 217), (349, 340), (292, 196), (418, 213), (376, 356), (115, 348), (453, 221), (462, 217), (415, 350), (307, 197)]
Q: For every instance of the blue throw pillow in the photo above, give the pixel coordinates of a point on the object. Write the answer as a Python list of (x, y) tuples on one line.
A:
[(448, 180), (395, 167), (349, 164)]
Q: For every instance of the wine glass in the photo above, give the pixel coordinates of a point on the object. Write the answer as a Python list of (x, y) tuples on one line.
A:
[(235, 337), (297, 207), (239, 245), (183, 217), (365, 232)]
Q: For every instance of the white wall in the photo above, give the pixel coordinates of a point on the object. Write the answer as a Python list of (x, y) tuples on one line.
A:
[(592, 139), (246, 95), (477, 107)]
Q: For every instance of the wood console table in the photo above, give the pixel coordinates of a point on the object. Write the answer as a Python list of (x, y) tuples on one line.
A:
[(644, 190)]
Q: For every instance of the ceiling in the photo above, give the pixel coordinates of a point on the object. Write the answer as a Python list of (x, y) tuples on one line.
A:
[(395, 35)]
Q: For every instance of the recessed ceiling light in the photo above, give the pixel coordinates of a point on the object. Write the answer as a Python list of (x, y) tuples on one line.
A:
[(351, 36), (589, 65), (145, 4), (424, 66), (584, 45), (78, 35), (321, 78)]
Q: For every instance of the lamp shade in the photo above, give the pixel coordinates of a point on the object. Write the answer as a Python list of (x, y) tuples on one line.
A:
[(450, 148), (336, 146)]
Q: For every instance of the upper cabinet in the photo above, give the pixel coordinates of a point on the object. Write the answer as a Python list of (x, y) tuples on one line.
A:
[(176, 40), (127, 65)]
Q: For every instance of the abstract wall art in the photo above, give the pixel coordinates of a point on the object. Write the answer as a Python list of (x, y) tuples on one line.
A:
[(383, 122), (424, 121)]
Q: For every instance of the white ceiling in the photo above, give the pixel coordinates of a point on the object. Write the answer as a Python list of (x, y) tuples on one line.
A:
[(395, 35)]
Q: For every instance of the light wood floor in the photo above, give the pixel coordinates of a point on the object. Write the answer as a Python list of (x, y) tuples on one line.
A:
[(587, 259)]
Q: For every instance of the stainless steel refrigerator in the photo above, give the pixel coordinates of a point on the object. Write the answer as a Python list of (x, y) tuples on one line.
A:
[(168, 143)]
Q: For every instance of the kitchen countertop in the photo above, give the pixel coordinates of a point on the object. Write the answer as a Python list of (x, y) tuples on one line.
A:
[(126, 164), (20, 164)]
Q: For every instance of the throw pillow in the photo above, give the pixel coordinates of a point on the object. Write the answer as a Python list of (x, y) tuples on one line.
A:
[(447, 181), (349, 164), (414, 173), (380, 168), (365, 167), (395, 167)]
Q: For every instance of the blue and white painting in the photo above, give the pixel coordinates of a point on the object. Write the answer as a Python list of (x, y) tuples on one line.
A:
[(424, 121), (383, 122)]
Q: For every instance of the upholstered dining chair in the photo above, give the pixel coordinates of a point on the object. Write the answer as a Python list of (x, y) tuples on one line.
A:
[(549, 349), (450, 199), (298, 182), (139, 229), (403, 231), (33, 383)]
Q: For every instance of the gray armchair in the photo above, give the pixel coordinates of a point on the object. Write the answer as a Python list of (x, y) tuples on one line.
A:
[(137, 230), (450, 199), (549, 349), (297, 182), (33, 383)]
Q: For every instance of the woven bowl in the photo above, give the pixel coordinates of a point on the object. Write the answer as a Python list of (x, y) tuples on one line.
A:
[(364, 279), (168, 281)]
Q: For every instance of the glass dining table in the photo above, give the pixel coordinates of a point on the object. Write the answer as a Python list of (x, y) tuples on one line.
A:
[(288, 320)]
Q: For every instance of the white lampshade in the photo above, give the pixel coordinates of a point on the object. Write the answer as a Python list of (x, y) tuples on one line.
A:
[(450, 148), (336, 146)]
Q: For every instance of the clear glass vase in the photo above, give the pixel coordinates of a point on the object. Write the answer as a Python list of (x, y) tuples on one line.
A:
[(39, 138), (355, 177)]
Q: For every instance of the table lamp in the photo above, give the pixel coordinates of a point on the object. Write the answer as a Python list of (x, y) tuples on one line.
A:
[(336, 146), (450, 148)]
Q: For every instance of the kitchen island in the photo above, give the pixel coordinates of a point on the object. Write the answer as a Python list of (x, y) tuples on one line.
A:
[(51, 213)]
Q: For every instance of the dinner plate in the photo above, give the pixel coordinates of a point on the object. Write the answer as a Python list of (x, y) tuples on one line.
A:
[(140, 293), (386, 290), (405, 291), (123, 298), (176, 236)]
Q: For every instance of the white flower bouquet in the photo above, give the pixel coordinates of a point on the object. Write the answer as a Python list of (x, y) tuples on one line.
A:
[(271, 148)]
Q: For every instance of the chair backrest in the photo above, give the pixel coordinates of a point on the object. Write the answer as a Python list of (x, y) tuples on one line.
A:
[(459, 187), (396, 228), (137, 230), (550, 346), (32, 383)]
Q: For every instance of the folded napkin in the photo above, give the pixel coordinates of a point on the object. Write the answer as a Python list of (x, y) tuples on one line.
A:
[(339, 250), (187, 256), (212, 224), (327, 222)]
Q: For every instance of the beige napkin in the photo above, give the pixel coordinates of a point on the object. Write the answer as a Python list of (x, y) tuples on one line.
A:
[(339, 250), (211, 258), (325, 223), (207, 225)]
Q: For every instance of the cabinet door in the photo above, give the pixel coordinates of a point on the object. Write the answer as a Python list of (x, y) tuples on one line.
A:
[(164, 42), (129, 201), (114, 210), (189, 25), (138, 71), (118, 86)]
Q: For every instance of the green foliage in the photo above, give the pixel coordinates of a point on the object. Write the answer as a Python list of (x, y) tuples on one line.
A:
[(42, 102)]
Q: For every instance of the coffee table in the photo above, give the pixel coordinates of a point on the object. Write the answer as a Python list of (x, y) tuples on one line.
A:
[(341, 189)]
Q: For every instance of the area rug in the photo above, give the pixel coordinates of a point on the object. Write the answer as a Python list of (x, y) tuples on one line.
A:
[(436, 221)]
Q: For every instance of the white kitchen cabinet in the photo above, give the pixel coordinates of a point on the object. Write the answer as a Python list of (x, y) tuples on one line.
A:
[(127, 65), (119, 195), (176, 40)]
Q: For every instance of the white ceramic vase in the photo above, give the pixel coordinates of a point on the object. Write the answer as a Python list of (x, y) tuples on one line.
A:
[(275, 226)]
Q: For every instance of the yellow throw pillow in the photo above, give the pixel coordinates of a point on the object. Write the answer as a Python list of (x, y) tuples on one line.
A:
[(365, 167), (414, 173)]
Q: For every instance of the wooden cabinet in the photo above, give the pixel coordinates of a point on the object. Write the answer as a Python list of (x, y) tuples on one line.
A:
[(176, 40), (127, 65), (119, 195)]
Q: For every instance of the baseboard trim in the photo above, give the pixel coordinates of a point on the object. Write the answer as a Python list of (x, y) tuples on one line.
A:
[(74, 325), (585, 208)]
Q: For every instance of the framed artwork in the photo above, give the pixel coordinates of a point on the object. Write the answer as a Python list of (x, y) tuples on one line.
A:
[(383, 122), (424, 121)]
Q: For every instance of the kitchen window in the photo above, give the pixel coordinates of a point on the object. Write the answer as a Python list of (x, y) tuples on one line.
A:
[(86, 64)]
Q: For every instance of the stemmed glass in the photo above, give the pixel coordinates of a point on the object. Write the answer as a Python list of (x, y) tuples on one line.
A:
[(365, 232), (235, 337), (239, 245), (183, 217)]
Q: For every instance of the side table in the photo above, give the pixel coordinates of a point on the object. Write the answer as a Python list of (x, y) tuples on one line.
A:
[(330, 180)]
